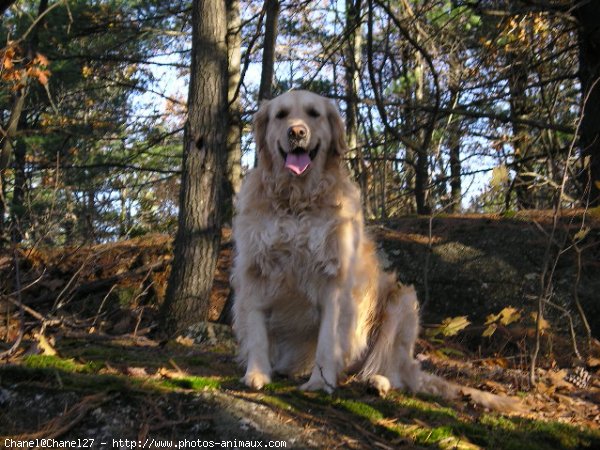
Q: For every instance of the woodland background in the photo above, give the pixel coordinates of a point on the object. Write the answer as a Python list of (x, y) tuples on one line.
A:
[(453, 106), (474, 134)]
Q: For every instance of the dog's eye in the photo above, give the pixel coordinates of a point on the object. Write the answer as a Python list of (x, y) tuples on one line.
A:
[(313, 113), (282, 114)]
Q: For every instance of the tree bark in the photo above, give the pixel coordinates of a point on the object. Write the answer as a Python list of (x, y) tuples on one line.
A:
[(265, 90), (8, 148), (422, 164), (519, 110), (352, 75), (199, 233), (18, 200), (588, 15), (455, 134), (7, 141), (233, 178)]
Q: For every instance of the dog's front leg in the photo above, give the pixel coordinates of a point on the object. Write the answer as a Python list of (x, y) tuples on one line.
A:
[(258, 371), (328, 360)]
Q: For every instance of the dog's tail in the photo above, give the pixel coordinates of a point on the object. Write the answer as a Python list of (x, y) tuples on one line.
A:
[(390, 362), (436, 385)]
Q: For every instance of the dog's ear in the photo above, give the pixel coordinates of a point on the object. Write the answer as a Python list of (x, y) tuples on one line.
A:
[(339, 147), (261, 121)]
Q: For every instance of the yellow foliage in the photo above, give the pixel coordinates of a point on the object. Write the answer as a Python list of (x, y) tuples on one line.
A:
[(86, 71), (499, 176), (544, 324), (450, 326)]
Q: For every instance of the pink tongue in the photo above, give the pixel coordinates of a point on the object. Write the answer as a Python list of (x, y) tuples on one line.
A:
[(297, 163)]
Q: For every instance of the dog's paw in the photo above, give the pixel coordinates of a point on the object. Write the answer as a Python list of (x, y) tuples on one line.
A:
[(317, 384), (380, 384), (256, 380)]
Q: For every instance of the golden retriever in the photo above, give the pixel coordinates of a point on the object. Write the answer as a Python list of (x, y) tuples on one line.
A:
[(310, 297)]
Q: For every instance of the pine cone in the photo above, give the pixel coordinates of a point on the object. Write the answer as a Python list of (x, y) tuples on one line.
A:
[(579, 377)]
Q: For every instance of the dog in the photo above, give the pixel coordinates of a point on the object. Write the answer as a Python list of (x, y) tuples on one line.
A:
[(310, 297)]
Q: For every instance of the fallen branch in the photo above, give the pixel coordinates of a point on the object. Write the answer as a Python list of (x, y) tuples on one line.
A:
[(99, 285)]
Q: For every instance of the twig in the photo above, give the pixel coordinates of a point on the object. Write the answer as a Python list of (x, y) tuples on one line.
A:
[(582, 316), (327, 383), (33, 313), (546, 283), (37, 20), (571, 327), (102, 305)]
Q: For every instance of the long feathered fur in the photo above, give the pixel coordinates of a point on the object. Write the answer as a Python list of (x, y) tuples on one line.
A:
[(310, 295)]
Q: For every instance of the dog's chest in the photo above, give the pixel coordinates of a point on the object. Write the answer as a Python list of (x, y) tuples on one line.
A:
[(300, 245)]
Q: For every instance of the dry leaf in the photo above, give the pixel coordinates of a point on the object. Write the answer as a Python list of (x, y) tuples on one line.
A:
[(136, 371), (495, 387), (581, 234), (557, 379), (450, 326), (544, 324), (45, 346), (489, 331), (593, 362), (185, 341), (41, 60)]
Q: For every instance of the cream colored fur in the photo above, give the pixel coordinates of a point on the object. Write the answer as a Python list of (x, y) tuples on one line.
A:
[(310, 297)]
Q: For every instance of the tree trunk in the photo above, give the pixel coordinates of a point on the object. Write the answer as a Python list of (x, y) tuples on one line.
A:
[(588, 15), (233, 178), (455, 181), (454, 136), (422, 163), (517, 82), (352, 75), (18, 200), (8, 148), (199, 233), (265, 90), (16, 119)]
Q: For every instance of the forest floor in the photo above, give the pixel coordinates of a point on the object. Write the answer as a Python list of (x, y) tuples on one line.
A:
[(88, 366)]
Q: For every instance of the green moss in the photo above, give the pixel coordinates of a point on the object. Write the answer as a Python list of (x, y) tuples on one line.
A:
[(437, 435), (494, 421), (115, 353), (55, 362), (360, 409), (425, 407), (191, 382), (277, 402), (279, 386), (54, 377)]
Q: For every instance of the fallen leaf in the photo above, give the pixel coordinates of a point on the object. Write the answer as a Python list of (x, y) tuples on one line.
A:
[(593, 362), (136, 371), (45, 346), (185, 341)]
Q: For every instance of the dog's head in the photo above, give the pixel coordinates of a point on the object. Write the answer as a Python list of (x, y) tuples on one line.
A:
[(299, 133)]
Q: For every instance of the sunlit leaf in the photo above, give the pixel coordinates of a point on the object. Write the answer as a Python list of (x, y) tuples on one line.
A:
[(450, 326), (499, 176), (544, 324), (509, 315), (581, 234), (489, 331)]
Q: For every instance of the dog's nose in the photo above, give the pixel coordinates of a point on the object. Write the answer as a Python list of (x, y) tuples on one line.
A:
[(297, 132)]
